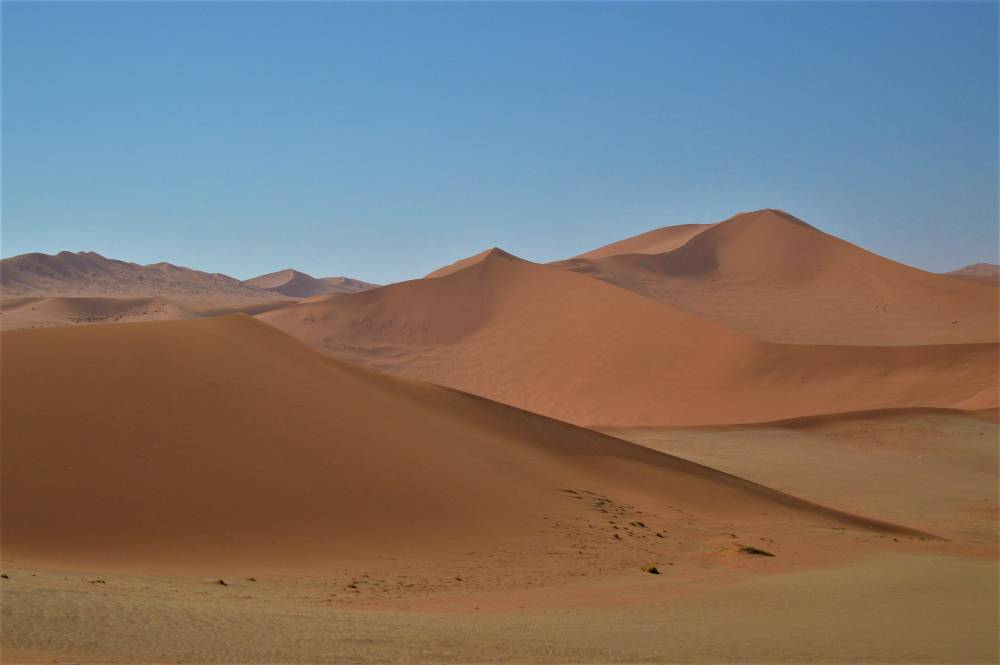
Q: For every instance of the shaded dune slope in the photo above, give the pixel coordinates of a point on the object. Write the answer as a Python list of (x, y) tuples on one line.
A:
[(580, 350), (184, 445), (779, 279)]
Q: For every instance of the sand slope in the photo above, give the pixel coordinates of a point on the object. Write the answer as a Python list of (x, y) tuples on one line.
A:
[(188, 444), (583, 351), (656, 241), (779, 279), (20, 313), (297, 284)]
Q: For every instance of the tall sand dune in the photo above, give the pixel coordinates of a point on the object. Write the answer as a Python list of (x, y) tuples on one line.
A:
[(779, 279), (580, 350), (179, 446)]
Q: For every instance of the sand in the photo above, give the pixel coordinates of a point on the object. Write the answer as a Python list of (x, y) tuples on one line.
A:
[(583, 351), (186, 484), (26, 312), (656, 241), (246, 436), (987, 272), (295, 284), (885, 601), (778, 279)]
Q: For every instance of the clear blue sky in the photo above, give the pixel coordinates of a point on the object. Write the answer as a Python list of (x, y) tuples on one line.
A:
[(384, 140)]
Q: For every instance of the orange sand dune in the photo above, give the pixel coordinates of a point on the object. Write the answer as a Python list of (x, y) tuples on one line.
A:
[(986, 272), (779, 279), (656, 241), (297, 284), (465, 263), (43, 312), (587, 352), (190, 444), (17, 313)]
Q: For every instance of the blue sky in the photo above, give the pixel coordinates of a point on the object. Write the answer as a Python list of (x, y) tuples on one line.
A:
[(384, 140)]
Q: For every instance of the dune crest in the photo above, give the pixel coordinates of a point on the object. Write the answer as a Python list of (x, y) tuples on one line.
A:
[(249, 448), (583, 351), (656, 241), (295, 284), (778, 279)]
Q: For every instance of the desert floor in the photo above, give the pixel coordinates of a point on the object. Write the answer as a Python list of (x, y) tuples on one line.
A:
[(576, 594)]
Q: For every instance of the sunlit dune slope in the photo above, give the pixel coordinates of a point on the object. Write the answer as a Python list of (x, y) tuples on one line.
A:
[(191, 444), (779, 279), (580, 350)]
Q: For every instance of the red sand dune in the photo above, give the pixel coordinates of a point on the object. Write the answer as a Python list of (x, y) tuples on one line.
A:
[(190, 444), (656, 241), (297, 284), (43, 312), (583, 351), (779, 279), (987, 272), (463, 263)]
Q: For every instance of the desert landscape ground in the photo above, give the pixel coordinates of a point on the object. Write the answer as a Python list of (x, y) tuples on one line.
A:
[(745, 440)]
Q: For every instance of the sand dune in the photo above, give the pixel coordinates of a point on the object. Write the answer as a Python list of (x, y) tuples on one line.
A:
[(20, 313), (461, 264), (583, 351), (987, 272), (45, 312), (297, 284), (779, 279), (656, 241), (189, 444)]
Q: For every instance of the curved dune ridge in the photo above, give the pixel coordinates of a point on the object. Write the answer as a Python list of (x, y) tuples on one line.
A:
[(779, 279), (656, 241), (295, 284), (185, 445), (583, 351), (462, 264)]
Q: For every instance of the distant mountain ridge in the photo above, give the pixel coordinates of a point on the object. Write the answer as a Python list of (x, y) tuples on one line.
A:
[(90, 275)]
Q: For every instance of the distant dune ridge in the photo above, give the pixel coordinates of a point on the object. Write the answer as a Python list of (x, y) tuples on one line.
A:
[(989, 272), (69, 288), (758, 317), (656, 241), (581, 350), (775, 277), (90, 274), (297, 284), (251, 451)]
